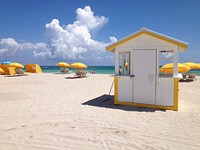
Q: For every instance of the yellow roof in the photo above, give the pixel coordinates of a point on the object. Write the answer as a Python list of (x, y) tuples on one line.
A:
[(181, 44)]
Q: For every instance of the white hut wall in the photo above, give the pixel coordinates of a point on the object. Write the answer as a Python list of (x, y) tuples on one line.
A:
[(163, 85)]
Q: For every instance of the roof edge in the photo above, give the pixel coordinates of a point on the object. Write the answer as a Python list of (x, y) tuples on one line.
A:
[(146, 31)]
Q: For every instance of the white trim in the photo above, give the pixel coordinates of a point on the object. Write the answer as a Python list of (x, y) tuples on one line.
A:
[(162, 35), (152, 32), (116, 62), (175, 61)]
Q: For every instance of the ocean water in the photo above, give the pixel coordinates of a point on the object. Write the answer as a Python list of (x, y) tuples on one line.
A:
[(197, 72), (98, 69)]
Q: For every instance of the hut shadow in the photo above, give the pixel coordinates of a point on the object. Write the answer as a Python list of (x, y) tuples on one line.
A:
[(107, 101), (74, 77)]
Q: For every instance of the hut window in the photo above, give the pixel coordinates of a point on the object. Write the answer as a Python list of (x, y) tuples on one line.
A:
[(124, 63), (165, 57)]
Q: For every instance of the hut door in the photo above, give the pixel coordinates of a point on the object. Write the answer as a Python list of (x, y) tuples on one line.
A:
[(144, 80)]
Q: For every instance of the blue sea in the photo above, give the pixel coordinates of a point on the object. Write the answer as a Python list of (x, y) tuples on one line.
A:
[(98, 69), (197, 72)]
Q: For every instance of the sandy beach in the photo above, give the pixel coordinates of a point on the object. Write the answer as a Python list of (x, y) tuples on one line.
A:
[(51, 112)]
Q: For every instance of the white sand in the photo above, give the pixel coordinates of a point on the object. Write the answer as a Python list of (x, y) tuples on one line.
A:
[(50, 112)]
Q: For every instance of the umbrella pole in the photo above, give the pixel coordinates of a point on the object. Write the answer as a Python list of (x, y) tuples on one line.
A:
[(108, 97)]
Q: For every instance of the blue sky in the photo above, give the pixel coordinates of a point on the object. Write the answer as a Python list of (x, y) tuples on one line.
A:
[(49, 31)]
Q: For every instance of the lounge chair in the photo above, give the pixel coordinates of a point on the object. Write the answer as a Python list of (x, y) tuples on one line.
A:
[(188, 78), (64, 70), (93, 71), (84, 73), (80, 73), (192, 76), (19, 71), (184, 75)]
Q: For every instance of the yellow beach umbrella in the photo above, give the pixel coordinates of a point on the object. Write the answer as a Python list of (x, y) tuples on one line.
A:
[(126, 64), (198, 66), (63, 64), (1, 71), (168, 68), (17, 65), (192, 65), (78, 65)]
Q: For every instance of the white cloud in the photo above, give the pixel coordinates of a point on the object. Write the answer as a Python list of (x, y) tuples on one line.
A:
[(85, 17), (7, 44), (72, 41), (113, 39), (10, 49)]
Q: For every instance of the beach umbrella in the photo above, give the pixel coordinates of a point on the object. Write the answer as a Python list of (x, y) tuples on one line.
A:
[(198, 66), (17, 65), (126, 64), (168, 68), (63, 64), (6, 62), (78, 65), (1, 71), (192, 65)]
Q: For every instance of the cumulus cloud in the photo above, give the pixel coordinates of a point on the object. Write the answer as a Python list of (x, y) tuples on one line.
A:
[(85, 17), (10, 49), (72, 41)]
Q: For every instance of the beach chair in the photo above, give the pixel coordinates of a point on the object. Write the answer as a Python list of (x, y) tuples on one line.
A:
[(93, 71), (192, 76), (80, 73), (184, 75), (19, 71), (84, 73), (64, 70), (188, 78), (77, 73)]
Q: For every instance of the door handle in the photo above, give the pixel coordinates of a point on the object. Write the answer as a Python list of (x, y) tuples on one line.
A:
[(132, 76)]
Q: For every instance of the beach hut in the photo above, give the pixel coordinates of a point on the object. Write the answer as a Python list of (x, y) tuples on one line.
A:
[(33, 68), (140, 83)]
